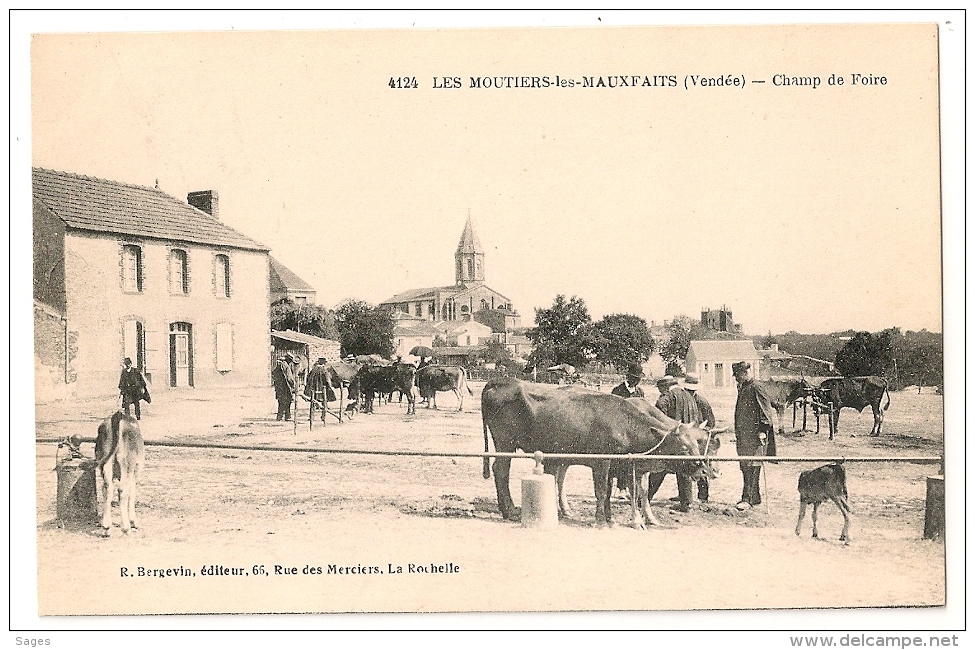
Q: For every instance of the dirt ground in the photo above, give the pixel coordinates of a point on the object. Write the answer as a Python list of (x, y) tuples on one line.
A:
[(357, 518)]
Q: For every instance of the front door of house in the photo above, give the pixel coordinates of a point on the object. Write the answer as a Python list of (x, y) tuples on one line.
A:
[(180, 355), (719, 374)]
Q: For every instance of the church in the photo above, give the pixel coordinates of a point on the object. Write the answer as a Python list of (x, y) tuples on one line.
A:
[(464, 315), (467, 299)]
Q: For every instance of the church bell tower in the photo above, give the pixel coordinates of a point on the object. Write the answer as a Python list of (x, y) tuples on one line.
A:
[(469, 256)]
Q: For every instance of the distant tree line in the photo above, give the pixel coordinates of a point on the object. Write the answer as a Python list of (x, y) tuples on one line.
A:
[(904, 358)]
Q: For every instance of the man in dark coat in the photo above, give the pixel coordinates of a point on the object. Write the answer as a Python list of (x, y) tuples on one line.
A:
[(754, 431), (631, 385), (691, 384), (678, 404), (132, 386), (283, 378)]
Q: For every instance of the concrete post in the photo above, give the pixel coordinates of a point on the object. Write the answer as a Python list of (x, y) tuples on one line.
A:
[(934, 508), (539, 500)]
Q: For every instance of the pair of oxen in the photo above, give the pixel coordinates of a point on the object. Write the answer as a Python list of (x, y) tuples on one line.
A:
[(531, 417)]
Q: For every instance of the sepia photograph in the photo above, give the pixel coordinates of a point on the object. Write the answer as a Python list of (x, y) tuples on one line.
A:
[(639, 320)]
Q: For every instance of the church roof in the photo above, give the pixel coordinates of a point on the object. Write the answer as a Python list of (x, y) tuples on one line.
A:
[(418, 294), (469, 243)]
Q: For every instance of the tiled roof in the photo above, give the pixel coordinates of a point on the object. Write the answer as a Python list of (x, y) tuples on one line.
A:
[(283, 279), (417, 294), (415, 328), (99, 205)]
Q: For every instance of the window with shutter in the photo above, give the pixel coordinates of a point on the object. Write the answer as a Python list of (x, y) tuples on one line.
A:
[(178, 276), (221, 272), (134, 343), (131, 268)]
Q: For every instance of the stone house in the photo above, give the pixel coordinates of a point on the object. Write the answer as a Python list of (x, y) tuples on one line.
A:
[(129, 271), (712, 361)]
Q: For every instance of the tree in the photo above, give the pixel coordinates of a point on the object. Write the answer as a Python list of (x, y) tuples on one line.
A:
[(307, 319), (364, 329), (919, 359), (867, 354), (496, 352), (622, 340), (680, 330), (563, 333)]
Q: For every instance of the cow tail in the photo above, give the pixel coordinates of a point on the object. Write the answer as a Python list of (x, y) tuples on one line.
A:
[(487, 461), (113, 445), (887, 393), (467, 385)]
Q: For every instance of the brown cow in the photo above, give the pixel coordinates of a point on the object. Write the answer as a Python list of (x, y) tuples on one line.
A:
[(856, 393), (385, 379), (538, 417), (827, 482), (431, 379), (119, 453), (782, 393)]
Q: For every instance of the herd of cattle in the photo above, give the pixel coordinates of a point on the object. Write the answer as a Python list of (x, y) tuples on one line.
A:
[(519, 415), (365, 382), (529, 417)]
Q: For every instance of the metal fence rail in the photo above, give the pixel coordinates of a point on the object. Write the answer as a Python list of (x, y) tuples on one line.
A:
[(497, 454)]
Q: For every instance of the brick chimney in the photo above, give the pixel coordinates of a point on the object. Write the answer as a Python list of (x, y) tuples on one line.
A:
[(205, 200)]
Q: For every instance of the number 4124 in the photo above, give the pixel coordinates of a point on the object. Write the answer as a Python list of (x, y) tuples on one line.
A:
[(403, 82)]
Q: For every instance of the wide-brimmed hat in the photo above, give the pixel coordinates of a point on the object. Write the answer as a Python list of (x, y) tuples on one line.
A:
[(691, 382), (634, 370), (740, 366), (666, 381)]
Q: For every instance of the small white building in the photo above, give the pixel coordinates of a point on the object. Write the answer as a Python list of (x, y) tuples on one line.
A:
[(712, 360)]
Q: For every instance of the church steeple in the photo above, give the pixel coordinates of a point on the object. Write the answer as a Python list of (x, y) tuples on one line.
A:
[(469, 256)]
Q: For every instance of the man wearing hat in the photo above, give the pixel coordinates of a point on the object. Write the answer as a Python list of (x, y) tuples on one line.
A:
[(691, 385), (132, 387), (754, 432), (676, 402), (631, 385), (283, 378)]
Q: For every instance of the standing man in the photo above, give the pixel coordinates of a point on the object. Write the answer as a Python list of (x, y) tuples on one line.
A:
[(691, 384), (132, 387), (631, 385), (677, 403), (754, 431), (283, 378)]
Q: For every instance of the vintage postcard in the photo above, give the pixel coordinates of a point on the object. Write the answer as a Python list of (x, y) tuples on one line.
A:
[(294, 281)]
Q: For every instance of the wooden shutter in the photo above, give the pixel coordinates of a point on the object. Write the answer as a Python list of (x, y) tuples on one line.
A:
[(154, 343)]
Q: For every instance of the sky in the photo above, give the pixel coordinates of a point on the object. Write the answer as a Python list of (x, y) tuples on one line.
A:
[(799, 208)]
